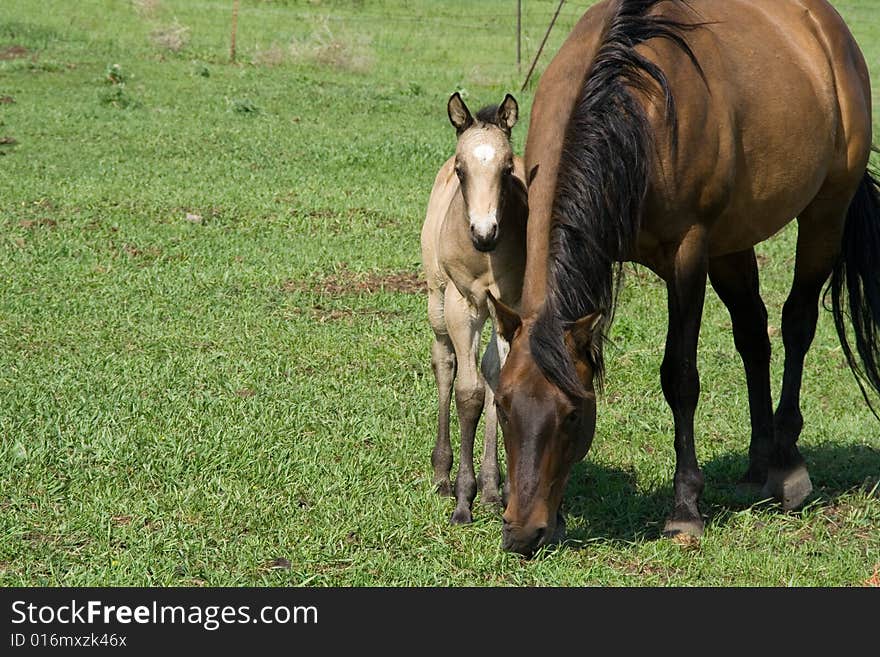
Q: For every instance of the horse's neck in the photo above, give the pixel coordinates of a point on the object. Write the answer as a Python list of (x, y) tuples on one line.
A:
[(515, 212), (558, 93)]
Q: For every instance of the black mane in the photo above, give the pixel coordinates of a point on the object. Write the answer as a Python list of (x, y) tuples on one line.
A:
[(601, 187), (488, 114)]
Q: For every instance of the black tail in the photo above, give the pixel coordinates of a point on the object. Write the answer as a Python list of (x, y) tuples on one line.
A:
[(856, 277)]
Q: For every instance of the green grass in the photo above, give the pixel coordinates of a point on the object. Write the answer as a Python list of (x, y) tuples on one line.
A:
[(186, 401)]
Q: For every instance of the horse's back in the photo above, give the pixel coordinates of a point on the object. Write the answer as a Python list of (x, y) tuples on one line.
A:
[(782, 114)]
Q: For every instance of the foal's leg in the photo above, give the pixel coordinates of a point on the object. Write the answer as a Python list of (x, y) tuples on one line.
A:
[(465, 322), (819, 233), (686, 290), (735, 279), (443, 364), (489, 479)]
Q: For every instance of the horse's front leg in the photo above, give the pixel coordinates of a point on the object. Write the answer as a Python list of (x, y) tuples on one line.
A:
[(465, 322), (443, 365), (686, 290)]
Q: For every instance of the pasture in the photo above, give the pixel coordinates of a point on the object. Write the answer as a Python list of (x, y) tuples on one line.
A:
[(214, 349)]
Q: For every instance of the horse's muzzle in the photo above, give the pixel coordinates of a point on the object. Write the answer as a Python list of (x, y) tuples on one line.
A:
[(528, 540)]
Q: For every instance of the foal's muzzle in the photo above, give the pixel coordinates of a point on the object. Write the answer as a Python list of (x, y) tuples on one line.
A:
[(484, 240)]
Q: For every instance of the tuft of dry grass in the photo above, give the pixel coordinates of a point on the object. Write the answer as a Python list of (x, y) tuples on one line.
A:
[(334, 48), (147, 8), (274, 55), (172, 37)]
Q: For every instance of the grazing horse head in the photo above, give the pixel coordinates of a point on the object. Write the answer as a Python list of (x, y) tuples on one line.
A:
[(546, 430), (484, 165)]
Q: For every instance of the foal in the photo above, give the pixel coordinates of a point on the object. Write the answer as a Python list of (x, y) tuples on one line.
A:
[(473, 242)]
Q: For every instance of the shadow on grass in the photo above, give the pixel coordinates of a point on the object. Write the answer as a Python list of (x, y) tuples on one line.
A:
[(605, 503)]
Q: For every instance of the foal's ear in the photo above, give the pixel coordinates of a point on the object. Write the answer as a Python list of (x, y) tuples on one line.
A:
[(459, 115), (508, 113), (582, 334), (506, 318)]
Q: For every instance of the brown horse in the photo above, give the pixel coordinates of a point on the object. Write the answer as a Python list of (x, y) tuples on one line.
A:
[(678, 135), (473, 243)]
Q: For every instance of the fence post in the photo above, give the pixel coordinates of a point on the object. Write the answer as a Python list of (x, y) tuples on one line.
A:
[(541, 47), (519, 36), (234, 30)]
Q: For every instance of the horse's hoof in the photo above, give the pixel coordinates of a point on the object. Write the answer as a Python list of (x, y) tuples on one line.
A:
[(491, 499), (461, 517), (683, 523), (790, 486), (559, 532), (747, 488), (443, 488), (755, 476)]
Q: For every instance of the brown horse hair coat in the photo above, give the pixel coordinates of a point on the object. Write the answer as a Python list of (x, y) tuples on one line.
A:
[(678, 136)]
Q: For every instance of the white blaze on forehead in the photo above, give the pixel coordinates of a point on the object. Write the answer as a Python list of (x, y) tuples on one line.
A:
[(484, 153)]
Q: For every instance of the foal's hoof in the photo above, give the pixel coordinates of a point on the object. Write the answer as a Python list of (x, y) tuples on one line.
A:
[(443, 488), (461, 517), (790, 486)]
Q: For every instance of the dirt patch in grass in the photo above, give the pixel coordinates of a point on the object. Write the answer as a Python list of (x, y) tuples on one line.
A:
[(42, 221), (647, 569), (173, 38), (38, 537), (147, 8), (323, 315), (334, 47), (6, 100), (346, 282), (13, 52), (274, 55), (339, 222), (279, 563), (135, 251)]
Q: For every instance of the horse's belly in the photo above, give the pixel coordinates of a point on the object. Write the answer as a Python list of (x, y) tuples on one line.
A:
[(738, 233), (753, 216)]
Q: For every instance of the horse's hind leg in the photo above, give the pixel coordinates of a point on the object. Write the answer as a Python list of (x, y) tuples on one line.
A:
[(820, 227), (443, 364), (735, 278), (465, 323)]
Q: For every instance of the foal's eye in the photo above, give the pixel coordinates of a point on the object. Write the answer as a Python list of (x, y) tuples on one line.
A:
[(459, 172)]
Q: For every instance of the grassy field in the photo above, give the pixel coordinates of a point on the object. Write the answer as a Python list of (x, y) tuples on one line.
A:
[(214, 351)]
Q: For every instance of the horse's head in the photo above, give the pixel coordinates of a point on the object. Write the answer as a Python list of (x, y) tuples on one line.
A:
[(483, 164), (546, 431)]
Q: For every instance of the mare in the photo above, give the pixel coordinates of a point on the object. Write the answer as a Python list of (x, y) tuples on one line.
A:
[(473, 244), (679, 135)]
